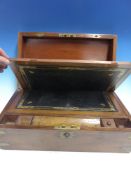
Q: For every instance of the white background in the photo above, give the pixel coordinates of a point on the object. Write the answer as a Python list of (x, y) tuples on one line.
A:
[(63, 163)]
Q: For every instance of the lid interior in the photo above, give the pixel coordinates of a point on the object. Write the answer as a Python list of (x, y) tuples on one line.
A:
[(78, 48)]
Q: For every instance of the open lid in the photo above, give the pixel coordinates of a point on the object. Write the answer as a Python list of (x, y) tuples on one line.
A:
[(41, 45), (70, 74)]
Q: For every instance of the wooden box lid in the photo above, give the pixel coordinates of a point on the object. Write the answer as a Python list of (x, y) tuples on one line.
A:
[(42, 45)]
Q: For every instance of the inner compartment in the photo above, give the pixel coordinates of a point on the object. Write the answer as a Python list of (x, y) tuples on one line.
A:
[(63, 122), (70, 100), (67, 48)]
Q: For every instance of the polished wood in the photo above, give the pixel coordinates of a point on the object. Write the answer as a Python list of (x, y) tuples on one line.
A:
[(67, 46), (74, 63)]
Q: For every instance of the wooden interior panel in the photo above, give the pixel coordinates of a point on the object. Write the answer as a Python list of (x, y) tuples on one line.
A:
[(60, 46), (67, 49)]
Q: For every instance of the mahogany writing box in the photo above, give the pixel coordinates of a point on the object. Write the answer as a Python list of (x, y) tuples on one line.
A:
[(66, 99)]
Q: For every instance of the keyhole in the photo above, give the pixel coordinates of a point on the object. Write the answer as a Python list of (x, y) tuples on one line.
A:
[(66, 134)]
